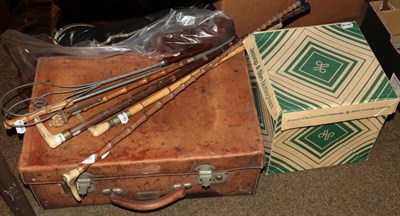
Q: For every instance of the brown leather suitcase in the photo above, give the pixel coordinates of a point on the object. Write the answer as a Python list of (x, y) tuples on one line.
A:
[(208, 134)]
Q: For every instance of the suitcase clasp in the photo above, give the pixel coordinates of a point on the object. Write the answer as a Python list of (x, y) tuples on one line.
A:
[(85, 184), (206, 177)]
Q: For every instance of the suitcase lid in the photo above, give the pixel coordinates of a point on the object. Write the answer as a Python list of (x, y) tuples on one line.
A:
[(212, 122)]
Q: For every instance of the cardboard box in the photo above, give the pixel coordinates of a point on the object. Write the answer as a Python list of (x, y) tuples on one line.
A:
[(321, 96), (381, 27), (250, 14)]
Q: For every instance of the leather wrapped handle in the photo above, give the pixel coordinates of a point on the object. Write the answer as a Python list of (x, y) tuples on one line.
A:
[(148, 204)]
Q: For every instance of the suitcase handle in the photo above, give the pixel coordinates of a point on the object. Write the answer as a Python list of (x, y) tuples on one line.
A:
[(148, 204)]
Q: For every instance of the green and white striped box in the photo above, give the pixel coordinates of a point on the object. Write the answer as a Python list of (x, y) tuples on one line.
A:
[(321, 95)]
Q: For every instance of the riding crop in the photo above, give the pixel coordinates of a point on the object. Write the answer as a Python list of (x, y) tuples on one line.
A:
[(144, 113)]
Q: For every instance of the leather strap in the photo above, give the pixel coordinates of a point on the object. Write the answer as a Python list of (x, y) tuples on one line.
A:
[(148, 204)]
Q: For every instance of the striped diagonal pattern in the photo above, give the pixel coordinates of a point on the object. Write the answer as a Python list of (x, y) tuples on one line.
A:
[(321, 67), (321, 146), (315, 68), (314, 147)]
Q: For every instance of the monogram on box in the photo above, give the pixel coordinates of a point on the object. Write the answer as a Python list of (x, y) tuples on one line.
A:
[(321, 96)]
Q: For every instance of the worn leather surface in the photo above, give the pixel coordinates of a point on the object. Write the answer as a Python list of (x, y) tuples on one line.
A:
[(212, 122), (241, 182)]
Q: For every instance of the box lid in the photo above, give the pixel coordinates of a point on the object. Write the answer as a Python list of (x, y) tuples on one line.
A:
[(319, 74)]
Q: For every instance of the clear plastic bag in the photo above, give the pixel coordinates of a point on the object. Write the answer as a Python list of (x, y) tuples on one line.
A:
[(167, 36)]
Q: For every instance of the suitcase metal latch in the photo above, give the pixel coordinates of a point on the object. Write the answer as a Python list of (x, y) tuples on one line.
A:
[(85, 183), (206, 177)]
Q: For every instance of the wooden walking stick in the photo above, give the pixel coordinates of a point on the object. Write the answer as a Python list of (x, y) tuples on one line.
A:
[(174, 89), (54, 141), (169, 41), (123, 117), (189, 56), (186, 56), (71, 176)]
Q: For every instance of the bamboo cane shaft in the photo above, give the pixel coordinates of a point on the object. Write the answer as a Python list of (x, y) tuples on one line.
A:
[(162, 93), (183, 57), (235, 49), (101, 128), (71, 176), (85, 107), (198, 49), (55, 140), (157, 105)]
